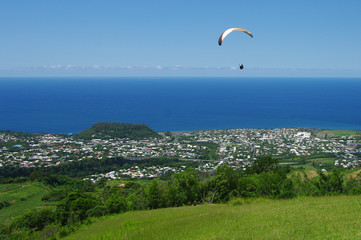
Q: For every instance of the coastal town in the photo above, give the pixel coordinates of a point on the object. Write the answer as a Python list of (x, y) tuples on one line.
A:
[(210, 148)]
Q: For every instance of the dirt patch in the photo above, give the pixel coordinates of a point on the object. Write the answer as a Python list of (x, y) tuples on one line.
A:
[(309, 174), (354, 174)]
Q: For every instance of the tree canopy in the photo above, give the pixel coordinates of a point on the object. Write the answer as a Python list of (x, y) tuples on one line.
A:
[(107, 130)]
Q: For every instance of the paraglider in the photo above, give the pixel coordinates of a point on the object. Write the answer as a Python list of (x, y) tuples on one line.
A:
[(228, 31)]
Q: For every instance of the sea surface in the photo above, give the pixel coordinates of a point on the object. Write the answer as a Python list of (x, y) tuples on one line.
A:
[(70, 105)]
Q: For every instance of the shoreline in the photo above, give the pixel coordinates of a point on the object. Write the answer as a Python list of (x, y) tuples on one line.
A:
[(200, 130)]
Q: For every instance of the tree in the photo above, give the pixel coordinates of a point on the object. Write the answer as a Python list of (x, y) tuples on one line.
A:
[(36, 219), (224, 184), (267, 184), (75, 206), (331, 183), (116, 204), (248, 186), (137, 200), (36, 175), (155, 194), (263, 164), (188, 183)]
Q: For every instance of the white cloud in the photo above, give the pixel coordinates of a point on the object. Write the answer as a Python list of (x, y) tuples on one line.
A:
[(176, 67), (176, 70)]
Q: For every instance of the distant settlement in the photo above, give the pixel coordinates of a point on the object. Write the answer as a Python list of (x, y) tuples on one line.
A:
[(235, 147)]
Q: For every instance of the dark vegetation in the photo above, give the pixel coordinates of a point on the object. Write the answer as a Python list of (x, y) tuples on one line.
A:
[(78, 201), (88, 167), (4, 204), (107, 130)]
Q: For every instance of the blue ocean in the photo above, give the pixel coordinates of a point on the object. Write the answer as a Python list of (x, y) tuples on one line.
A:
[(70, 105)]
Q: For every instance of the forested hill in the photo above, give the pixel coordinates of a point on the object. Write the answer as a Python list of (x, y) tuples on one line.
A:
[(106, 130)]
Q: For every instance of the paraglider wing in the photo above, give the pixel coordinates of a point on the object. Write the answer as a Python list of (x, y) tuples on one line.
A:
[(228, 31)]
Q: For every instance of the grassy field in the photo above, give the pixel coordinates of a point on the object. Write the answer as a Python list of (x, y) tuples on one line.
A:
[(312, 163), (336, 217), (22, 197), (339, 133), (304, 167), (9, 187)]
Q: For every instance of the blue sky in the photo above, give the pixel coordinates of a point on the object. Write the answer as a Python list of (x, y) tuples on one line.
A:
[(292, 38)]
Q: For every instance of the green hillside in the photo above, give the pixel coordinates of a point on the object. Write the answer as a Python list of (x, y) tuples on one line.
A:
[(336, 217), (22, 197), (107, 130)]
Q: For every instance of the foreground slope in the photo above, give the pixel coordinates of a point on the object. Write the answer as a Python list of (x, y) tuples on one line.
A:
[(336, 217)]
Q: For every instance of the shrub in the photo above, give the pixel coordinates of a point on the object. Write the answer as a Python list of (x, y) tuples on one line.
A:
[(116, 204), (35, 219), (4, 204), (66, 230), (97, 211), (75, 207)]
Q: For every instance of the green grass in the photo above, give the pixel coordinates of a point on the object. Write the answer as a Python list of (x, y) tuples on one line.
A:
[(328, 160), (308, 165), (22, 197), (9, 187), (336, 217), (339, 133), (305, 167)]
